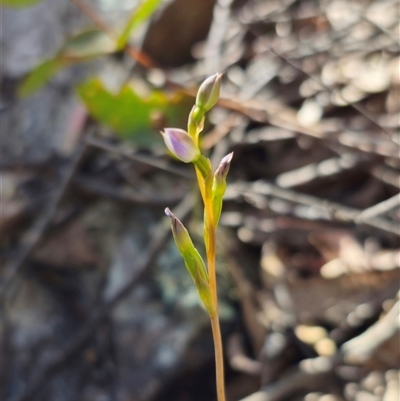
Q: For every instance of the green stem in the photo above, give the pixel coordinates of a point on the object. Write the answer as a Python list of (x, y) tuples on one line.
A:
[(211, 253), (219, 357), (205, 182)]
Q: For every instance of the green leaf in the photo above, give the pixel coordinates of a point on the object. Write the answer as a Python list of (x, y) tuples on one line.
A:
[(39, 76), (19, 3), (141, 14), (87, 44), (77, 49), (127, 113)]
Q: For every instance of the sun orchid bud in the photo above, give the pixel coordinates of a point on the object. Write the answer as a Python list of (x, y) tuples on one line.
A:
[(221, 172), (219, 185), (180, 144), (193, 261), (208, 93), (196, 122), (181, 235)]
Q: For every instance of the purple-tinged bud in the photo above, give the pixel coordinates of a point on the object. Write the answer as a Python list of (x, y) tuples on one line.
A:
[(193, 261), (219, 185), (180, 144), (181, 235), (208, 93), (223, 167)]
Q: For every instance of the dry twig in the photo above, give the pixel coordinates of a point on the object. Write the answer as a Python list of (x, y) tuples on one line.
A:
[(326, 210), (34, 234)]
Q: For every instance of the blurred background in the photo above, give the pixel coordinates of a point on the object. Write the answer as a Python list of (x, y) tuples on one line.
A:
[(96, 302)]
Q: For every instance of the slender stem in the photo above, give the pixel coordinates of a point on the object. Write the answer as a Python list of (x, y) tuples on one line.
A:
[(200, 183), (211, 251), (211, 246), (219, 358), (205, 185)]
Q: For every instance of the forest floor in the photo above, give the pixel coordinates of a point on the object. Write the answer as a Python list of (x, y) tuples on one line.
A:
[(96, 303)]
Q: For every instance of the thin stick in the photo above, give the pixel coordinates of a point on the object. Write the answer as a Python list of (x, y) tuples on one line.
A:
[(136, 54), (31, 238), (380, 208), (331, 211), (319, 81), (160, 164)]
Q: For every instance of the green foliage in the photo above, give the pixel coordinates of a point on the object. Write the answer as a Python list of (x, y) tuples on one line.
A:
[(78, 48), (87, 44), (19, 3), (39, 76), (127, 113), (141, 14)]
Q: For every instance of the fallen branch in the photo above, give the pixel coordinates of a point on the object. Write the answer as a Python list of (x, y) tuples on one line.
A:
[(160, 164), (324, 209), (311, 375), (361, 348)]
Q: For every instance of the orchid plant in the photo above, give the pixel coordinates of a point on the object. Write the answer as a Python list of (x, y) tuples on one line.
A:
[(212, 184)]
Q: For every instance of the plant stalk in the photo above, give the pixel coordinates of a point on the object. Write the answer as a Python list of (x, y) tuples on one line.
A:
[(211, 251), (219, 357)]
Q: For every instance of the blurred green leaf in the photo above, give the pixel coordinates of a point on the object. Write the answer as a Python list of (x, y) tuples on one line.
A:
[(19, 3), (39, 76), (90, 43), (140, 15), (78, 48), (127, 113)]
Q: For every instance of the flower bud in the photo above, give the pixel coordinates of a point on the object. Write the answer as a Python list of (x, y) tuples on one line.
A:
[(208, 93), (195, 122), (181, 235), (180, 144), (219, 185), (193, 261)]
